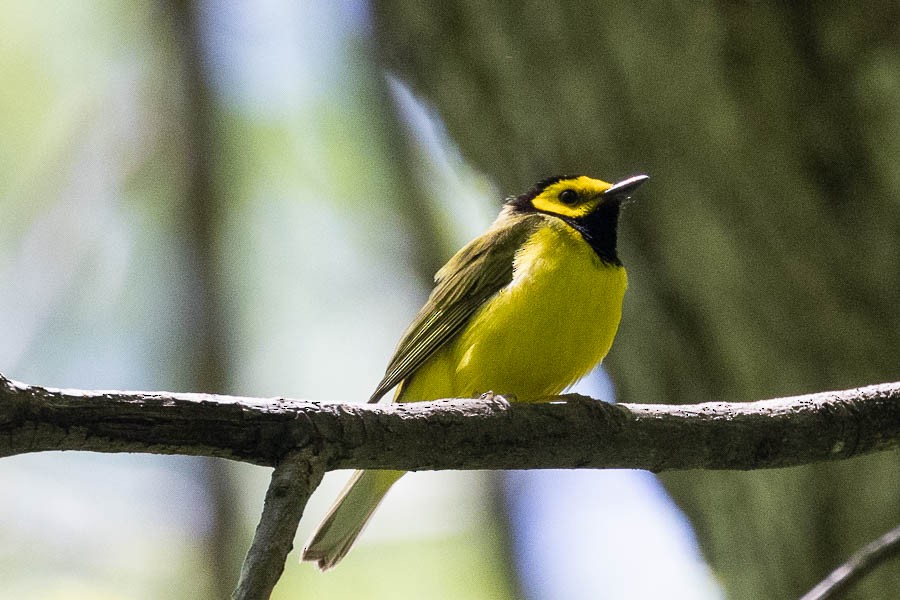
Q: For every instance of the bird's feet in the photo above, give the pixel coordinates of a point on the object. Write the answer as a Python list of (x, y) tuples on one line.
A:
[(503, 400)]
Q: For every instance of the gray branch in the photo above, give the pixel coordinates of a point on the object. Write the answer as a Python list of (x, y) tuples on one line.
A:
[(857, 566), (302, 439), (574, 432), (293, 481)]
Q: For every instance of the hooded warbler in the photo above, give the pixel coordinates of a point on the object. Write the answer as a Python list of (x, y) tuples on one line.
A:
[(526, 309)]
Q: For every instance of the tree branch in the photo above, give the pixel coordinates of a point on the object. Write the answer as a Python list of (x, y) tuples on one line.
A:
[(857, 566), (456, 434), (293, 482)]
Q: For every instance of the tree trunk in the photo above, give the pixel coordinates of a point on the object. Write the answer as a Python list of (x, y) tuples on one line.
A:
[(762, 255)]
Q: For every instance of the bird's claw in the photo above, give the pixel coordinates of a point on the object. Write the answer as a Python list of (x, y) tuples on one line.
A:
[(502, 400)]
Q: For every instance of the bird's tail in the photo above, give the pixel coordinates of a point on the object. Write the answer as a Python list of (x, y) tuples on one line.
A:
[(348, 516)]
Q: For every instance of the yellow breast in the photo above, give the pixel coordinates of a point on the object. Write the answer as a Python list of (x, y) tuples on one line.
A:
[(551, 325)]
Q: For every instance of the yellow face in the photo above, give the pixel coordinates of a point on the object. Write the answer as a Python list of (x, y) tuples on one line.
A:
[(575, 197)]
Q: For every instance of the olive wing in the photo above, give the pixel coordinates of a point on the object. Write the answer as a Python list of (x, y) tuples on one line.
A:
[(468, 280)]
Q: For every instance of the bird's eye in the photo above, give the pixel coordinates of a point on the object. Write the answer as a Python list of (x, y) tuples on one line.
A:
[(568, 196)]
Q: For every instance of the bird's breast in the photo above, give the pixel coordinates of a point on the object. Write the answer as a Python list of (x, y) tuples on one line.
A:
[(545, 330)]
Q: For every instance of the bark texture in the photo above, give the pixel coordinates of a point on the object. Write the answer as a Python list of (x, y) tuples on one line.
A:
[(295, 478), (576, 432)]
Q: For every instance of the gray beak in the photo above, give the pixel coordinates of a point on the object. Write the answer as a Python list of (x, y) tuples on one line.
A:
[(623, 189)]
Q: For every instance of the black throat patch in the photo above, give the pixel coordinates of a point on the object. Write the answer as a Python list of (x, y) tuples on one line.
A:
[(598, 228)]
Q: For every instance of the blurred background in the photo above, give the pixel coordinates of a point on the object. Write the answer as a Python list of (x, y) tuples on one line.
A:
[(252, 198)]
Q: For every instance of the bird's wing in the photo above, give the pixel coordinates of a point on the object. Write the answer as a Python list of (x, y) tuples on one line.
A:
[(474, 274)]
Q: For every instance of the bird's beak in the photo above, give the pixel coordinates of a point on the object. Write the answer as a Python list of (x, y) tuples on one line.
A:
[(623, 189)]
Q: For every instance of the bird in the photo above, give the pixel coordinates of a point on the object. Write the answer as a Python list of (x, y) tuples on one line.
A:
[(524, 310)]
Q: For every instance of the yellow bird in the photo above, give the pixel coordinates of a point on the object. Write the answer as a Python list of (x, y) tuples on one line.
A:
[(526, 309)]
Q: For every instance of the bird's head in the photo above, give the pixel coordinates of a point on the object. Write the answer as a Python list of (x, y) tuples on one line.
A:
[(590, 206), (575, 197)]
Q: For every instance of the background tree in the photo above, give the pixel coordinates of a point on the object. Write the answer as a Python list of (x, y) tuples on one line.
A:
[(764, 256), (205, 197)]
